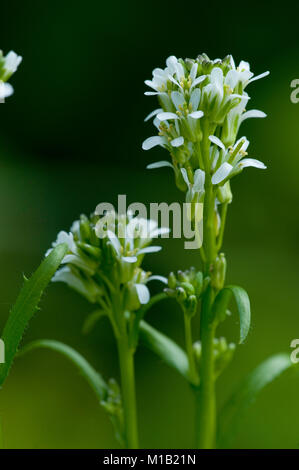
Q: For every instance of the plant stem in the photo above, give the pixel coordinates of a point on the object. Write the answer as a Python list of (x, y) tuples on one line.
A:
[(205, 395), (206, 401), (189, 348), (126, 362), (222, 226)]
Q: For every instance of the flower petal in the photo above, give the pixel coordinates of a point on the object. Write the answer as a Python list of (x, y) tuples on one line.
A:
[(149, 249), (177, 99), (166, 116), (161, 164), (217, 141), (195, 98), (222, 172), (143, 293), (185, 176), (156, 277), (129, 259), (151, 142), (152, 114), (114, 240), (197, 81), (196, 114), (193, 71), (6, 90), (252, 113), (199, 180), (177, 142), (262, 75), (246, 162)]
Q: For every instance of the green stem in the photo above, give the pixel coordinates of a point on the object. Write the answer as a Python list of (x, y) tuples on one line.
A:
[(126, 361), (222, 226), (205, 395), (189, 348), (206, 400)]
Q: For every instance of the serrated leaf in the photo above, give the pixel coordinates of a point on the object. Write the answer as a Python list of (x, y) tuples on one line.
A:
[(243, 305), (26, 306), (94, 379), (235, 408)]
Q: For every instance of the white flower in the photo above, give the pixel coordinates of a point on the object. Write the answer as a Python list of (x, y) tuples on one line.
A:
[(9, 65), (162, 76), (235, 117), (12, 61), (6, 90), (131, 237), (245, 76), (230, 162)]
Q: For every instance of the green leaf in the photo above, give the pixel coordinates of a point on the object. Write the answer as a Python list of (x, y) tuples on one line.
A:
[(165, 348), (26, 305), (243, 304), (93, 378), (235, 408)]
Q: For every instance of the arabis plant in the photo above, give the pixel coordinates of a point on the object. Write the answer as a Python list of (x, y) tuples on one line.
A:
[(202, 106), (103, 263)]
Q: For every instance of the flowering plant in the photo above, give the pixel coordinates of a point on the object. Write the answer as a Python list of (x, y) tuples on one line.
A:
[(202, 106)]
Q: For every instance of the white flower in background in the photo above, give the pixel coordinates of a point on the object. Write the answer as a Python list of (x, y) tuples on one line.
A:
[(6, 90), (8, 65), (104, 252)]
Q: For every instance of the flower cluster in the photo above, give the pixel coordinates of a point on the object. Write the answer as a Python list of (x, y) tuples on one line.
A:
[(202, 99), (105, 255), (186, 287), (8, 66)]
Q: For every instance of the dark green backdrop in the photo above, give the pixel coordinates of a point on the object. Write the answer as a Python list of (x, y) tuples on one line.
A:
[(71, 137)]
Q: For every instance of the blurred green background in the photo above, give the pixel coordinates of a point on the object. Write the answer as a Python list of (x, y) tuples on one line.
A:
[(71, 136)]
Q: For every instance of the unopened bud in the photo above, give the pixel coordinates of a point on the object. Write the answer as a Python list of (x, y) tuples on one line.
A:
[(219, 272)]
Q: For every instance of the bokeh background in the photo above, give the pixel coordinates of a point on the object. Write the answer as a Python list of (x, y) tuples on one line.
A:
[(71, 136)]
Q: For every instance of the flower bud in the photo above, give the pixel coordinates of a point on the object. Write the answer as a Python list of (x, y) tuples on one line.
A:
[(189, 289), (180, 294), (84, 227), (219, 272), (172, 281), (224, 194), (182, 276)]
